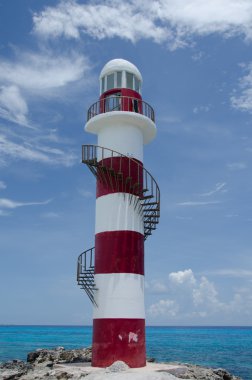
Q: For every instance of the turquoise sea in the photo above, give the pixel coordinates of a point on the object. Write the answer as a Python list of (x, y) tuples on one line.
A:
[(227, 347)]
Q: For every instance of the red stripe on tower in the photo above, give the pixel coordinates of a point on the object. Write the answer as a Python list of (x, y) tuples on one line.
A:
[(119, 252)]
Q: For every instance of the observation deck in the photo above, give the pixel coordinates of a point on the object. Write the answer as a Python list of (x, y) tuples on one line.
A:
[(121, 103)]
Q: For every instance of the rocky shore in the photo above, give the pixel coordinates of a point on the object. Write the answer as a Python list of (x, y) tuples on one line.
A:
[(61, 364)]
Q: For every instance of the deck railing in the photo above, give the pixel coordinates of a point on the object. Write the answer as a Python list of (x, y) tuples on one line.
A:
[(121, 103)]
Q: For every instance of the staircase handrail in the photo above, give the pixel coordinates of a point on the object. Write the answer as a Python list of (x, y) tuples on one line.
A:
[(151, 209)]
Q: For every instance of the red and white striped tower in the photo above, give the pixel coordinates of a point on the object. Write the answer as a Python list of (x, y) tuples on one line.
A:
[(125, 215)]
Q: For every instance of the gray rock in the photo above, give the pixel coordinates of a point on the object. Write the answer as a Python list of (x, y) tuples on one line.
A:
[(43, 364), (32, 356), (63, 375), (190, 371), (117, 366), (49, 364), (13, 370), (225, 375), (60, 355), (151, 360)]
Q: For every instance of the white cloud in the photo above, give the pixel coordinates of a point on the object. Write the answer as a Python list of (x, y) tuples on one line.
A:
[(219, 187), (10, 204), (13, 106), (29, 75), (240, 273), (174, 22), (242, 97), (190, 297), (42, 72), (106, 19), (205, 293), (199, 109), (182, 277), (237, 166), (46, 73), (197, 203), (231, 215), (164, 307), (156, 287), (2, 185), (34, 152)]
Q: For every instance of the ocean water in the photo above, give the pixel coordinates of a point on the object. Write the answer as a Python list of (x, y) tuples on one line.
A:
[(227, 347)]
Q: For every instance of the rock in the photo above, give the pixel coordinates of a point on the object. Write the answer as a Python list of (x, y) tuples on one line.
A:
[(223, 374), (32, 356), (14, 369), (61, 364), (60, 355), (117, 366), (59, 348), (180, 372), (151, 360), (190, 371), (49, 364), (63, 375)]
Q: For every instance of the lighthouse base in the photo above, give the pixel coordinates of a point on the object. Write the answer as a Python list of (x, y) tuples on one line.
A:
[(118, 339)]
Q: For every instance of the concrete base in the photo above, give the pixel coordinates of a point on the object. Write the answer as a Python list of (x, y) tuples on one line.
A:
[(152, 371)]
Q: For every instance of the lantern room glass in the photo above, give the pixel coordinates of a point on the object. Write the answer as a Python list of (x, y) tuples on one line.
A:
[(110, 81), (129, 80), (119, 79)]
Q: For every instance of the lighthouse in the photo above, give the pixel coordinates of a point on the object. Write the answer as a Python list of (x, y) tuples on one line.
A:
[(127, 212)]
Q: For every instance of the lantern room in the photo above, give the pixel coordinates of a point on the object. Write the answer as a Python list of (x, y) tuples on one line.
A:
[(120, 86)]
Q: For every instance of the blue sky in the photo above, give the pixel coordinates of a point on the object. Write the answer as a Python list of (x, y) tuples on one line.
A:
[(196, 61)]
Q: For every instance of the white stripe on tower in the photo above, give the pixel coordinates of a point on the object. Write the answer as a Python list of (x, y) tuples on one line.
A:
[(123, 300), (115, 212)]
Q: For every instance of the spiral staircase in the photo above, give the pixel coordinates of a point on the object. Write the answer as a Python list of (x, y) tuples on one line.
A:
[(141, 187)]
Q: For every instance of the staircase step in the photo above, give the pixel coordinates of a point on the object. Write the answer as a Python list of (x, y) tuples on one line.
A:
[(92, 161), (86, 280), (150, 204), (146, 197), (85, 270)]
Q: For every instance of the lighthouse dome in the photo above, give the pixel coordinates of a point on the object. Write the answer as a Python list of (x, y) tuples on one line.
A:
[(120, 65), (119, 73)]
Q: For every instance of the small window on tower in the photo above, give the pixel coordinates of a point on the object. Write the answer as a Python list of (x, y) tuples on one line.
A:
[(129, 78), (103, 85), (137, 84), (119, 79), (110, 81)]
